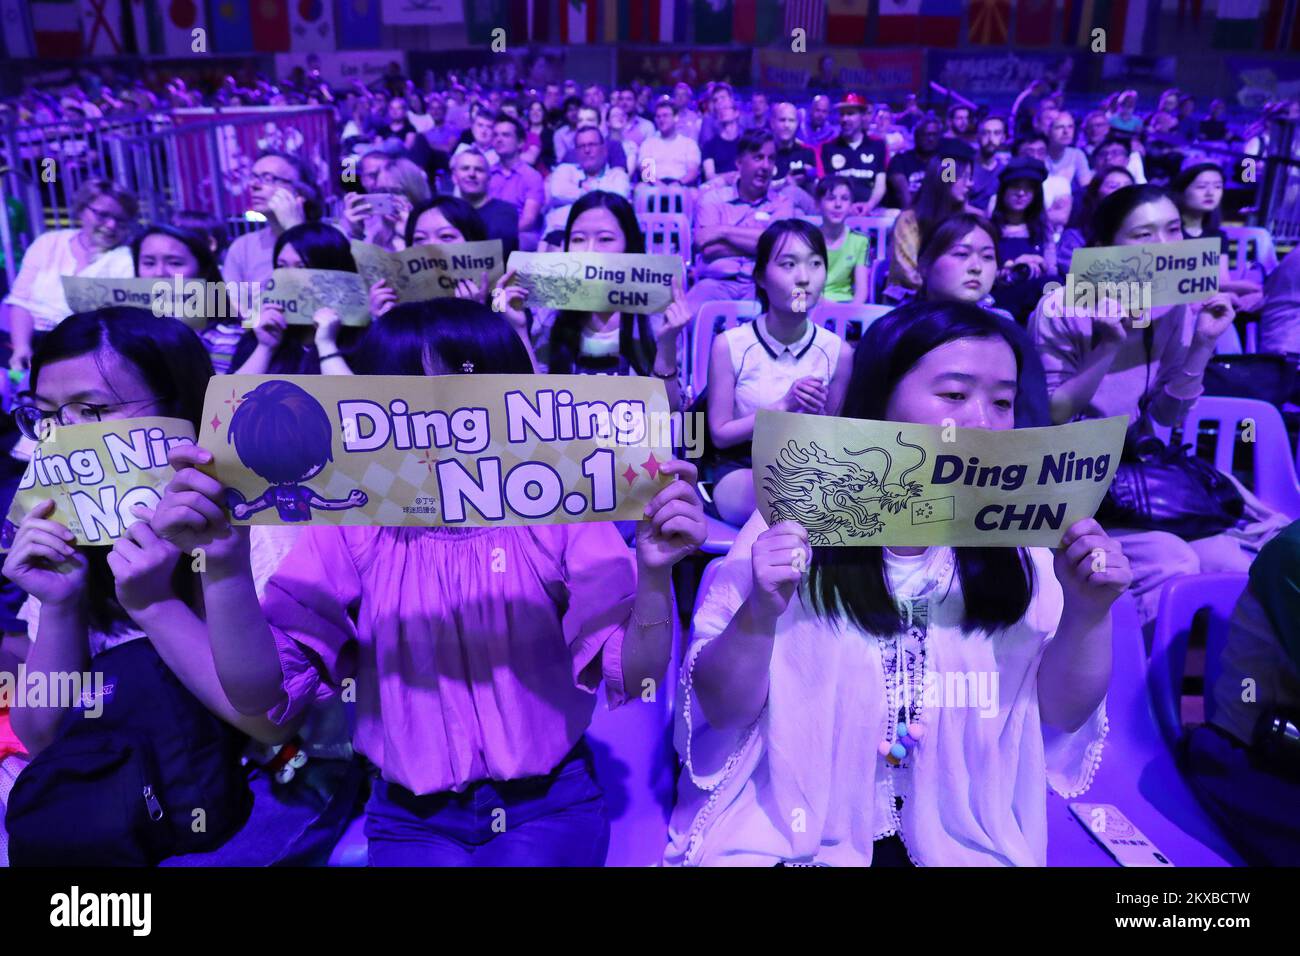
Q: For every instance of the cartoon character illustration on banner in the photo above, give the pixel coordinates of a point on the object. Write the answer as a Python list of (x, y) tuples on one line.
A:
[(283, 435)]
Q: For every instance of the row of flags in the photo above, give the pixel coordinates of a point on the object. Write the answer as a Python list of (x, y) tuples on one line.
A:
[(74, 28), (71, 28)]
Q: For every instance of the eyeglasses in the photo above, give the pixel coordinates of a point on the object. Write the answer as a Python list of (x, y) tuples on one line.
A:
[(270, 179), (104, 215), (32, 421)]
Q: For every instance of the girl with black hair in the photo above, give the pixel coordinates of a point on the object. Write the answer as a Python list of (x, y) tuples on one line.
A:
[(1026, 249), (781, 360), (275, 349), (816, 723), (603, 343), (1198, 191), (116, 363), (167, 252), (943, 193), (1106, 359), (475, 651), (1104, 182)]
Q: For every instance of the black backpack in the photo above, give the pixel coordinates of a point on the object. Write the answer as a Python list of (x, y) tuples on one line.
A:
[(121, 789)]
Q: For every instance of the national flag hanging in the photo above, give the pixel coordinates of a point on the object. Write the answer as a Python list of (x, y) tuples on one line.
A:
[(713, 21), (755, 22), (232, 29), (311, 25), (358, 22), (578, 22), (1190, 8), (1141, 21), (101, 27), (16, 36), (1282, 26), (1033, 22), (180, 18), (481, 18), (56, 28), (809, 16), (846, 22), (989, 20), (940, 22), (140, 31), (270, 22), (899, 22), (1237, 24)]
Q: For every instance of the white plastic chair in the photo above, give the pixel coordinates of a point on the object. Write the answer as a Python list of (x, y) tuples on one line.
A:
[(713, 318), (848, 320), (667, 234), (663, 199), (875, 228), (1273, 468), (1265, 253)]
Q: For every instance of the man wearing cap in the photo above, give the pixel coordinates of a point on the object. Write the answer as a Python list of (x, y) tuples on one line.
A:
[(856, 156), (730, 218)]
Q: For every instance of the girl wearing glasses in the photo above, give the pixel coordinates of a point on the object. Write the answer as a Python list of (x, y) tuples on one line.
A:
[(103, 214), (121, 363)]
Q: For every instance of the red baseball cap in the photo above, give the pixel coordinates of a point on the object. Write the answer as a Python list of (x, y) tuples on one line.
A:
[(853, 101)]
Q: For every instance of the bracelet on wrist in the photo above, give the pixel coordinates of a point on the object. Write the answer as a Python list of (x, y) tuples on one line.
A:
[(332, 355)]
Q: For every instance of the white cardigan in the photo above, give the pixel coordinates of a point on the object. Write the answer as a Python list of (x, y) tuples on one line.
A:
[(806, 783)]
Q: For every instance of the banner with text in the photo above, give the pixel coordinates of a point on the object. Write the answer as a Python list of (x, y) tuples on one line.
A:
[(193, 301), (596, 281), (457, 450), (1164, 273), (96, 474), (852, 482), (430, 271)]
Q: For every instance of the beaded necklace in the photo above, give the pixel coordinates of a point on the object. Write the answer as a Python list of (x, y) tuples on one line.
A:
[(903, 660)]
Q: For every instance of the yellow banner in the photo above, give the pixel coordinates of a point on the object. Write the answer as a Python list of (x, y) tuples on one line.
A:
[(193, 301), (595, 281), (457, 450), (854, 482), (430, 271), (1153, 274), (96, 473), (299, 293)]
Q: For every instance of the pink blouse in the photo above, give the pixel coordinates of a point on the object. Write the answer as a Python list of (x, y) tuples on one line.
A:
[(476, 652)]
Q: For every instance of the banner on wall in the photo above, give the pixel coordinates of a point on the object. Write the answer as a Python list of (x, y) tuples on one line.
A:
[(987, 73), (341, 68), (1257, 80), (662, 67), (96, 474), (885, 72), (855, 482), (457, 450), (422, 13)]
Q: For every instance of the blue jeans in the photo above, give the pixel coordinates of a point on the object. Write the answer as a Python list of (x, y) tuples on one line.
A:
[(555, 820)]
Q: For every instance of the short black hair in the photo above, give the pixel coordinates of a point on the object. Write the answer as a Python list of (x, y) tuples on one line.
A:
[(751, 141)]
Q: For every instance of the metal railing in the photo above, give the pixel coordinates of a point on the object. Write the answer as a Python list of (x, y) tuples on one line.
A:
[(184, 159)]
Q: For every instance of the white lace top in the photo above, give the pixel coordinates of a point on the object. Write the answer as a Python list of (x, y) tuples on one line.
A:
[(807, 784)]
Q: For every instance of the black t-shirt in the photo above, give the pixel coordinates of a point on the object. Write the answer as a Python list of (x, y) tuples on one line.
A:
[(797, 159), (911, 166), (722, 152), (860, 164)]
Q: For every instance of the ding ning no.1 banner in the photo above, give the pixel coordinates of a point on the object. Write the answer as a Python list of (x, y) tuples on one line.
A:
[(459, 450), (851, 481)]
